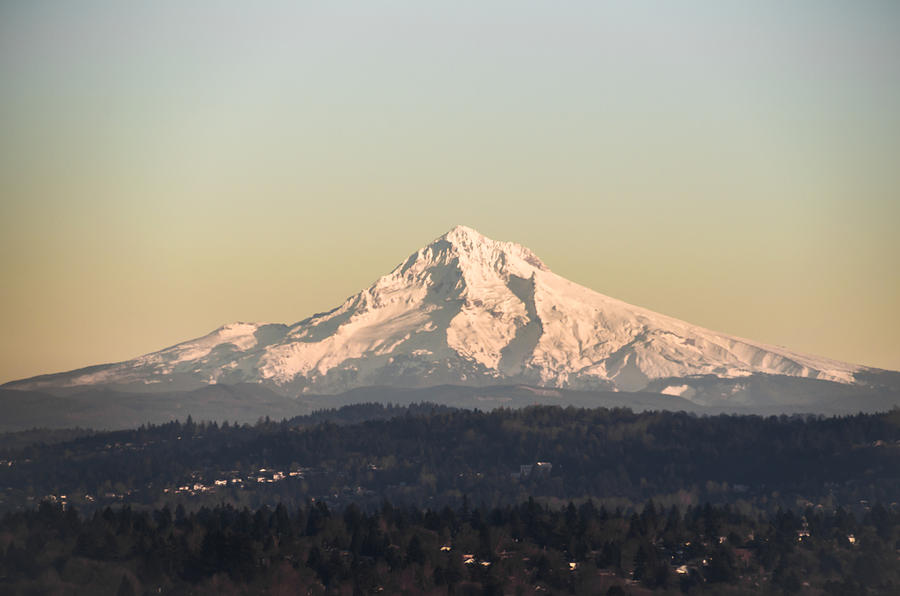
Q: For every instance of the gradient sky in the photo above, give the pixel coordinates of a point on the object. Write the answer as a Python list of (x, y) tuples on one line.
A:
[(168, 167)]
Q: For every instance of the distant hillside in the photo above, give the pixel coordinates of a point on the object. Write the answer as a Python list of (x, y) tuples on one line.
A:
[(106, 409), (429, 454)]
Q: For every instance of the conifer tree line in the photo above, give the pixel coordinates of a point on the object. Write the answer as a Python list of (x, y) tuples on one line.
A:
[(373, 499), (516, 549)]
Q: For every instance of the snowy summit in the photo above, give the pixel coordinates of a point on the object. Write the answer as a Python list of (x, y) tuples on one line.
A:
[(465, 310)]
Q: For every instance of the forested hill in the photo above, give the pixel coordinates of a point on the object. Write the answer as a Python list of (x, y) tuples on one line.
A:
[(434, 456)]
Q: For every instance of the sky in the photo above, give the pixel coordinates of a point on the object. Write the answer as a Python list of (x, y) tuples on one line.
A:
[(168, 167)]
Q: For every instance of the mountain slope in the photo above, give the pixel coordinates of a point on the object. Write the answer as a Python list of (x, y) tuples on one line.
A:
[(464, 310)]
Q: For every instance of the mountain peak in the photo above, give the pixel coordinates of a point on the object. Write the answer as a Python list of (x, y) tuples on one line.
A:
[(465, 237), (472, 310), (460, 232), (472, 246)]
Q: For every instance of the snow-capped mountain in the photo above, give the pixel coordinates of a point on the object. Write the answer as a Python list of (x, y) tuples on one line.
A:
[(464, 310)]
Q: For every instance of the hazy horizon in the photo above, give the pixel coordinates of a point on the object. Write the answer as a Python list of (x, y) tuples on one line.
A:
[(168, 168)]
